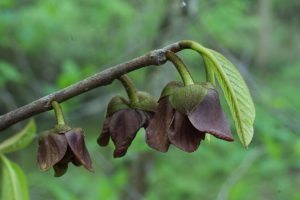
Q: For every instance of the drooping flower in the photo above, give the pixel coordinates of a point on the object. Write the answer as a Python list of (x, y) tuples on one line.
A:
[(124, 119), (184, 115), (61, 145)]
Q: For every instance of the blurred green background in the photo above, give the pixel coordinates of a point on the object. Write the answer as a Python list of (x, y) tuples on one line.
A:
[(50, 44)]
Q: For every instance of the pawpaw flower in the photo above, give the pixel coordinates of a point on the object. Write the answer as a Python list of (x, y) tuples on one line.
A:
[(61, 145), (184, 115), (125, 117)]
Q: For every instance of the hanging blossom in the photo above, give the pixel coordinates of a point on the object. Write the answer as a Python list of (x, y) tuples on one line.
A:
[(184, 115), (125, 117), (61, 145)]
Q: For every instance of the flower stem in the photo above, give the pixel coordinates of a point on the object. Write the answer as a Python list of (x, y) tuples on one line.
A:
[(189, 44), (58, 113), (130, 88), (181, 68)]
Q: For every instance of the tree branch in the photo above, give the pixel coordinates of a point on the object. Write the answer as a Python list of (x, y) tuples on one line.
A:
[(155, 57)]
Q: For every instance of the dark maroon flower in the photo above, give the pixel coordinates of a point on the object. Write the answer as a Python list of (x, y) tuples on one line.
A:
[(59, 146), (124, 120), (184, 115)]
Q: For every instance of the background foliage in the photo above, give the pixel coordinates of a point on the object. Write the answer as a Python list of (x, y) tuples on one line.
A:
[(47, 45)]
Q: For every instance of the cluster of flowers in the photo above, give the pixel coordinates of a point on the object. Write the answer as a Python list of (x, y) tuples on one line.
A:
[(182, 116)]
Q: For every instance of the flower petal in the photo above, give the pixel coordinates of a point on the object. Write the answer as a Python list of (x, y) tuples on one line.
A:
[(60, 169), (76, 162), (183, 134), (123, 127), (75, 139), (146, 117), (156, 132), (103, 139), (209, 117), (52, 148)]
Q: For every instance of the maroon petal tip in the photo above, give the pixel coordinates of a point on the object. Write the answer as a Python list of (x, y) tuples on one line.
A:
[(222, 136), (118, 153), (60, 169), (102, 142)]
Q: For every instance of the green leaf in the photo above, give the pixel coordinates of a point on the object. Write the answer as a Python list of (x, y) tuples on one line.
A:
[(236, 93), (13, 181), (19, 140)]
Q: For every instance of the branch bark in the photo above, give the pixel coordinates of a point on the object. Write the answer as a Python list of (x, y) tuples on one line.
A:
[(155, 57)]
